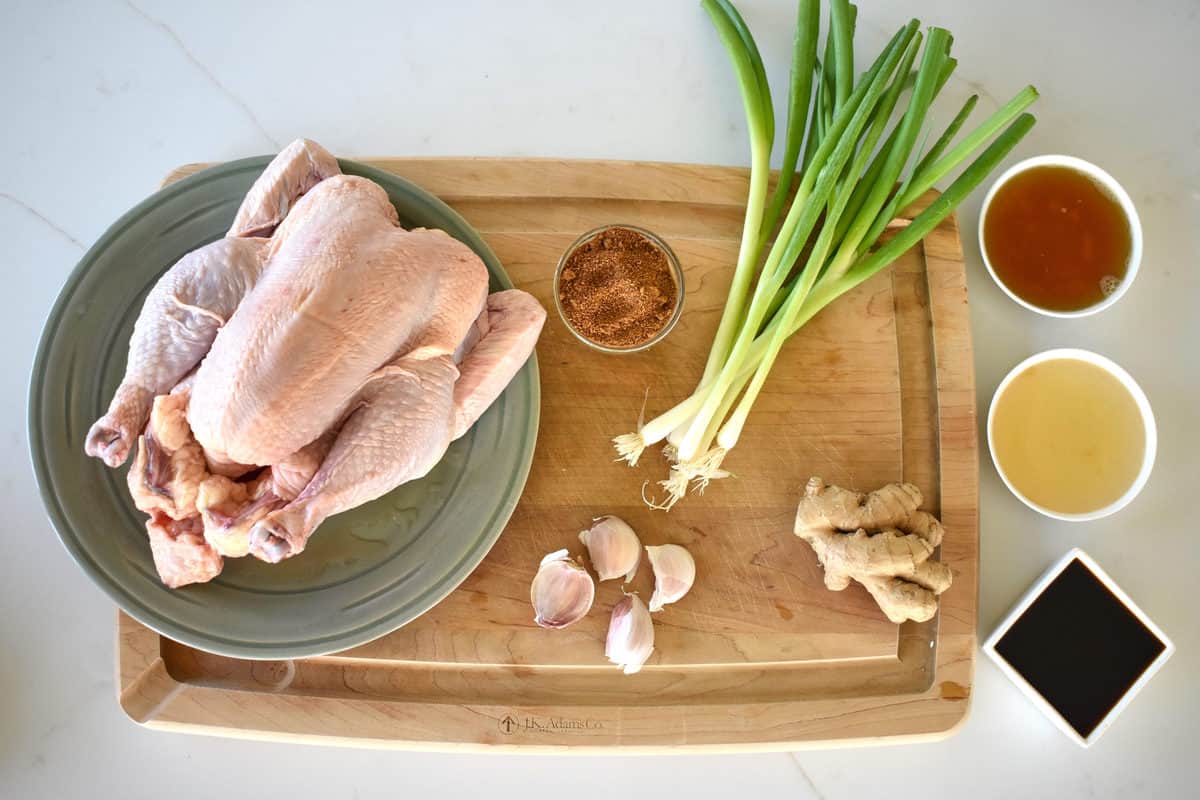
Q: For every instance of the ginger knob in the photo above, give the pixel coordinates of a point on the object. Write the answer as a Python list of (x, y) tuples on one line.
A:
[(882, 540)]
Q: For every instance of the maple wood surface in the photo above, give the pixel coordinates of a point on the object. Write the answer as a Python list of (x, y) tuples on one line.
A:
[(759, 655)]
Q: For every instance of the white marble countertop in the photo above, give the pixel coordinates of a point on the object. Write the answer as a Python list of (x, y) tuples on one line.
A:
[(102, 98)]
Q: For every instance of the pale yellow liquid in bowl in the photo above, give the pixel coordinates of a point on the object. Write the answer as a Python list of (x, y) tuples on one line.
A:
[(1068, 436)]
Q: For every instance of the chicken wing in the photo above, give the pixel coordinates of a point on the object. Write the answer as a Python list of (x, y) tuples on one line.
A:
[(299, 167), (176, 327)]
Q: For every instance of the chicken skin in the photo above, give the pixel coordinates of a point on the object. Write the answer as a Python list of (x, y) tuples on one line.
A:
[(312, 360)]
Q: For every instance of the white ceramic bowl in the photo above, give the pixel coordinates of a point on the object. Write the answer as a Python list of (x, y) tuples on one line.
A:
[(1113, 188), (1134, 390), (1035, 591)]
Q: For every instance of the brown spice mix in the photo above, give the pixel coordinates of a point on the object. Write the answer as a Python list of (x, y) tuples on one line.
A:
[(617, 288)]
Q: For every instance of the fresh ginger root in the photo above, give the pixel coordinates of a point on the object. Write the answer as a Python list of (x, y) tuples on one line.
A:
[(880, 540)]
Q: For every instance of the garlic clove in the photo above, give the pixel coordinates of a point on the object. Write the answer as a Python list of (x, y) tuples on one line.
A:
[(674, 573), (613, 548), (630, 634), (562, 591)]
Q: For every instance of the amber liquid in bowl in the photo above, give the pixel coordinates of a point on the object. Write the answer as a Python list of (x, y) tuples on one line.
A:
[(1057, 239)]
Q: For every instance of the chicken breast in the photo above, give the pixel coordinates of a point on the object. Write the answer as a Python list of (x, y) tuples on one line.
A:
[(344, 289)]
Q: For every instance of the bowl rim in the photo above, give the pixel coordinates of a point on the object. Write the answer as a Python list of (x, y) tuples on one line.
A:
[(676, 272), (1149, 426), (1112, 186)]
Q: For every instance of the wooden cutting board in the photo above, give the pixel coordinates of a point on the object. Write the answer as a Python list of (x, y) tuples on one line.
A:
[(879, 387)]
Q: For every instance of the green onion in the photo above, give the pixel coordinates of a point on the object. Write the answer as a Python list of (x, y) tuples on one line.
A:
[(845, 197), (804, 53), (947, 136), (841, 40), (815, 190), (940, 168), (760, 120)]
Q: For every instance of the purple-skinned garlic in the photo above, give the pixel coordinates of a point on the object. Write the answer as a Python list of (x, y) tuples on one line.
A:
[(613, 548), (562, 591), (630, 634), (674, 573)]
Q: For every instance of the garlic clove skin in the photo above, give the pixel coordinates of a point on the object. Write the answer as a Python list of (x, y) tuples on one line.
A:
[(674, 573), (630, 634), (613, 547), (562, 591)]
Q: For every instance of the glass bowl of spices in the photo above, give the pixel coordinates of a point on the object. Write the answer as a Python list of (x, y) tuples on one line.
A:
[(619, 289)]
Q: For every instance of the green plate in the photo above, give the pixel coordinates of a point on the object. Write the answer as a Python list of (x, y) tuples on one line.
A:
[(366, 572)]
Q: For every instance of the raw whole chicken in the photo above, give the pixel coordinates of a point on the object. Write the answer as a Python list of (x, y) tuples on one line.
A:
[(315, 358)]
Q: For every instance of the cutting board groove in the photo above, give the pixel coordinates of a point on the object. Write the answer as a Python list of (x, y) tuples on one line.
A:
[(879, 387)]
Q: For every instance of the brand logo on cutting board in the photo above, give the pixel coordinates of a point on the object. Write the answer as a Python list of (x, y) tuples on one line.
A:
[(512, 723)]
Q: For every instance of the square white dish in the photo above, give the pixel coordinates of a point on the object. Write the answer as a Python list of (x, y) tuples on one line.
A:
[(1027, 600)]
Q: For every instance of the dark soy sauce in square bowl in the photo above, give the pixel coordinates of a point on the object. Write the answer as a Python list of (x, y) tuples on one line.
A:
[(1080, 647)]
